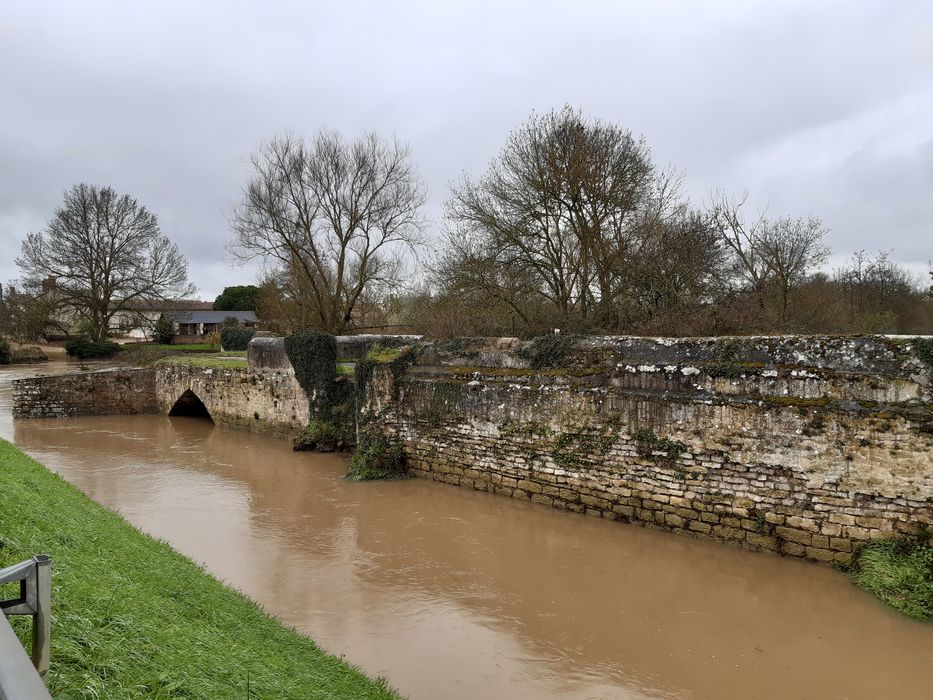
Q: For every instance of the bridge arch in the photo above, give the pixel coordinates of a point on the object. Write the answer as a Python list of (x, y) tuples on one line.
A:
[(190, 404)]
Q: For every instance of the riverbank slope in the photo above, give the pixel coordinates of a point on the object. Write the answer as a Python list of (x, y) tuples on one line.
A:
[(133, 618)]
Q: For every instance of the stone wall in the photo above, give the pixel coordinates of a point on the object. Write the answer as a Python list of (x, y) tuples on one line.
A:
[(107, 392), (268, 353), (807, 446), (268, 401), (355, 347)]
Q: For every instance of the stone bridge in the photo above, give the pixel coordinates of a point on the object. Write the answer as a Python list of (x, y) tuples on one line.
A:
[(270, 401)]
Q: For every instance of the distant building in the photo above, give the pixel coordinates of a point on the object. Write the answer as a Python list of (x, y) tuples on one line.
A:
[(193, 317), (204, 322)]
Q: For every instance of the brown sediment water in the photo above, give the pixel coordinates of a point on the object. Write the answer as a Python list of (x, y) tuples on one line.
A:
[(455, 594)]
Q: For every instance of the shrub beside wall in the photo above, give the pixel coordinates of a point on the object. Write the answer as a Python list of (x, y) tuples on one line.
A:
[(164, 330), (236, 338), (87, 349), (4, 352)]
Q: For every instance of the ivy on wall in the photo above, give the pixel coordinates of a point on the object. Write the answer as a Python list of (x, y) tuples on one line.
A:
[(313, 354)]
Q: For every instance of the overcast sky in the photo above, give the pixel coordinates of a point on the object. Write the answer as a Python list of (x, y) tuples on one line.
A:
[(821, 108)]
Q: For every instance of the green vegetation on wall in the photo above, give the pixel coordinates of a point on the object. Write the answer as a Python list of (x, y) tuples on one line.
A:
[(224, 360), (376, 457), (4, 352), (132, 618), (899, 572), (313, 355), (235, 338), (648, 444), (924, 349), (391, 352), (324, 436), (548, 351)]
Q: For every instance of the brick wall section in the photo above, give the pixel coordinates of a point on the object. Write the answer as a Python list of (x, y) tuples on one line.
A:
[(267, 401), (108, 392), (807, 460)]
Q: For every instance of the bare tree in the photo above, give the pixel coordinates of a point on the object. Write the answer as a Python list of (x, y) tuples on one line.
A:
[(679, 268), (876, 290), (792, 249), (563, 214), (337, 218), (741, 237), (770, 255), (104, 253), (26, 315)]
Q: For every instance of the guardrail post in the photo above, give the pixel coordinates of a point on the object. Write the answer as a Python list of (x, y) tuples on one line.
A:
[(42, 620), (35, 599)]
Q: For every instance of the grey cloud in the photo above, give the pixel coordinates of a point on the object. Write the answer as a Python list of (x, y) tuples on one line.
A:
[(166, 100)]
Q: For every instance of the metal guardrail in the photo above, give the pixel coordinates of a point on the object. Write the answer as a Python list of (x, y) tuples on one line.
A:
[(19, 678)]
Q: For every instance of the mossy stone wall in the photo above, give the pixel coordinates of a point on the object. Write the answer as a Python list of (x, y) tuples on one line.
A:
[(102, 393), (806, 446)]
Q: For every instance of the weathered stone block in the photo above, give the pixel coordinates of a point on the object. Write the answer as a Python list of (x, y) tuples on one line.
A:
[(820, 541), (819, 554), (857, 533), (761, 541), (807, 524), (791, 535)]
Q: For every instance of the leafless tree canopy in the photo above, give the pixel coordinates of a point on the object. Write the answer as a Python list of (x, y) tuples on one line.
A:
[(336, 218), (773, 256), (573, 221), (105, 253), (574, 226), (26, 315)]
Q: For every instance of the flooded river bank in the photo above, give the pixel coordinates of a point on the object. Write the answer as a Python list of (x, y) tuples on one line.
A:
[(451, 593)]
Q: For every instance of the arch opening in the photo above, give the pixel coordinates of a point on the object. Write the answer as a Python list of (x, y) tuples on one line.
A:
[(188, 404)]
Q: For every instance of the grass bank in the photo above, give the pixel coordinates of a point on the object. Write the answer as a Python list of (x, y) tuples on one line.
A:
[(186, 347), (899, 572), (222, 360), (132, 618)]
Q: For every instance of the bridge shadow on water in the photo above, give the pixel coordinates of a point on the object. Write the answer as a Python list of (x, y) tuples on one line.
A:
[(188, 404)]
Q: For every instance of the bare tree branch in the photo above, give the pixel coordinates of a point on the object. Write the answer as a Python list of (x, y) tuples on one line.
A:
[(338, 216), (104, 251)]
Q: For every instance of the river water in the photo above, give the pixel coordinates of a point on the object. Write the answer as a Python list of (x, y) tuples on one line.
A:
[(455, 594)]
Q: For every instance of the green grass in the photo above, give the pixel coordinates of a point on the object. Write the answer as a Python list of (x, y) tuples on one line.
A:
[(186, 347), (226, 360), (378, 353), (132, 618), (900, 573)]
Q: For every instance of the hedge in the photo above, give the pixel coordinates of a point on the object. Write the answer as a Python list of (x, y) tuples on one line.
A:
[(85, 348), (235, 338)]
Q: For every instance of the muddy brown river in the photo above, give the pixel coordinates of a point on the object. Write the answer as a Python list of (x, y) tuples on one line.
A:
[(454, 594)]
